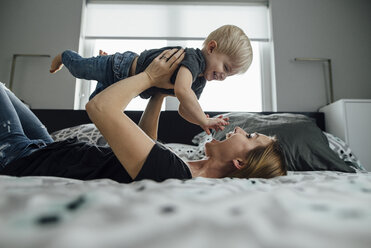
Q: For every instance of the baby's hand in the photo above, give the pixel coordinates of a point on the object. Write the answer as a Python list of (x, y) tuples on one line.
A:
[(215, 123)]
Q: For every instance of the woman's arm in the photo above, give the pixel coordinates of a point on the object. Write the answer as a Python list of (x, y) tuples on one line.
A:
[(129, 143), (150, 117)]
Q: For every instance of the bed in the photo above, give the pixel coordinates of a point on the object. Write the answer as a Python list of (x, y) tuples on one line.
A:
[(317, 204)]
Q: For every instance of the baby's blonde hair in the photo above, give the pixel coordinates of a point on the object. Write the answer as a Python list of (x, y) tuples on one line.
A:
[(233, 42)]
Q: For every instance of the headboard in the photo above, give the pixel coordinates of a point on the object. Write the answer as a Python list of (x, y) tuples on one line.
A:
[(172, 127)]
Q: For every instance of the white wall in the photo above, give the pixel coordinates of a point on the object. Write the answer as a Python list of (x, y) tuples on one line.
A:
[(39, 27), (336, 29)]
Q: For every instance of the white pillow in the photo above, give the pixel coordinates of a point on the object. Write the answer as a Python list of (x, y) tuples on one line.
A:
[(90, 133), (343, 150), (85, 132), (187, 152)]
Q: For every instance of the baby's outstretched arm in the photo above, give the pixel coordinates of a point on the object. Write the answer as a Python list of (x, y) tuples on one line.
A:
[(190, 108), (216, 123)]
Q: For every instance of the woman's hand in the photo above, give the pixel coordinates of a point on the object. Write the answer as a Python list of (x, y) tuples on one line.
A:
[(163, 66)]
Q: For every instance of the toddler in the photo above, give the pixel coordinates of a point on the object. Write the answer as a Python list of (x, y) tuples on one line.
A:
[(226, 51)]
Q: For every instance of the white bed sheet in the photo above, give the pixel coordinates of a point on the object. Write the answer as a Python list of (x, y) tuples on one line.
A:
[(303, 209)]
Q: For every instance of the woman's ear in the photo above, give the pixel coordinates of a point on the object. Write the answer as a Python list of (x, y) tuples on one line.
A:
[(211, 46), (237, 163)]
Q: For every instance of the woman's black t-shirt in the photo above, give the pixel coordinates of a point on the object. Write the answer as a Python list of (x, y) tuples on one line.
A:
[(79, 160)]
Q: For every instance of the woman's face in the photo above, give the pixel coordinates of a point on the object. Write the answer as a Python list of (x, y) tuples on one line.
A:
[(237, 144)]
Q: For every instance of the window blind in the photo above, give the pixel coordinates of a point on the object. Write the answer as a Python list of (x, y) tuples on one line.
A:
[(172, 20)]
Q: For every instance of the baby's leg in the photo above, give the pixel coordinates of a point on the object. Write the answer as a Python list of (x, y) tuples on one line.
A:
[(95, 68)]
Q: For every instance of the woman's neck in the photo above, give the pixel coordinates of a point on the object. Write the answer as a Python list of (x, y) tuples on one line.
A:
[(197, 167), (209, 168)]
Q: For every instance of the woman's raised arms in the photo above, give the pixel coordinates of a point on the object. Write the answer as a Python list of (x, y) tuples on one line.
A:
[(129, 143)]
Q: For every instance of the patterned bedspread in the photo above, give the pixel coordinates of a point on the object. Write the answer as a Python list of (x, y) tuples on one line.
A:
[(303, 209)]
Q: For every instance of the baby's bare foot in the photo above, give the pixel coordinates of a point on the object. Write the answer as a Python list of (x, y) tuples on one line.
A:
[(102, 53), (56, 64)]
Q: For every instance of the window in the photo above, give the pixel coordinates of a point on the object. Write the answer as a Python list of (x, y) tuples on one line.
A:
[(110, 33)]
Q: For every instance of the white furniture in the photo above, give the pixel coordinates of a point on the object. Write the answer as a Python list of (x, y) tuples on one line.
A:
[(350, 120)]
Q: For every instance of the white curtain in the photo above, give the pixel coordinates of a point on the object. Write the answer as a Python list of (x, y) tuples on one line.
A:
[(173, 20)]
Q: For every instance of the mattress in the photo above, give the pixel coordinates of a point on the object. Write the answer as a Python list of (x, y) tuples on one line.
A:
[(302, 209)]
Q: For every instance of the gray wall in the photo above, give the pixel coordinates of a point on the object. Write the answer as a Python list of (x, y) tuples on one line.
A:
[(337, 29), (39, 27)]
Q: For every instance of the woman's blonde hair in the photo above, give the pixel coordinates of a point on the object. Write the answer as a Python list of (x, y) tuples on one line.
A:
[(233, 42), (263, 162)]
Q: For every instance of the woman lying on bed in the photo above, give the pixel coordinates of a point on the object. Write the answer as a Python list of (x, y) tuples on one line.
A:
[(26, 149)]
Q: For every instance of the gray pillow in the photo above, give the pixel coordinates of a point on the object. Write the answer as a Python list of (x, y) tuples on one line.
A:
[(304, 145)]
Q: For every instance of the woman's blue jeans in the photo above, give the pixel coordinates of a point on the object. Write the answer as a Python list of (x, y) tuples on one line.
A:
[(107, 69), (21, 132)]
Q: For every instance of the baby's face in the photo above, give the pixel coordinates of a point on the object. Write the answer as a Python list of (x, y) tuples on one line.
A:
[(218, 66)]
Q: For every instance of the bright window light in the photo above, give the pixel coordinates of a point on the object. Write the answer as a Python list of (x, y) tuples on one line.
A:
[(110, 27)]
